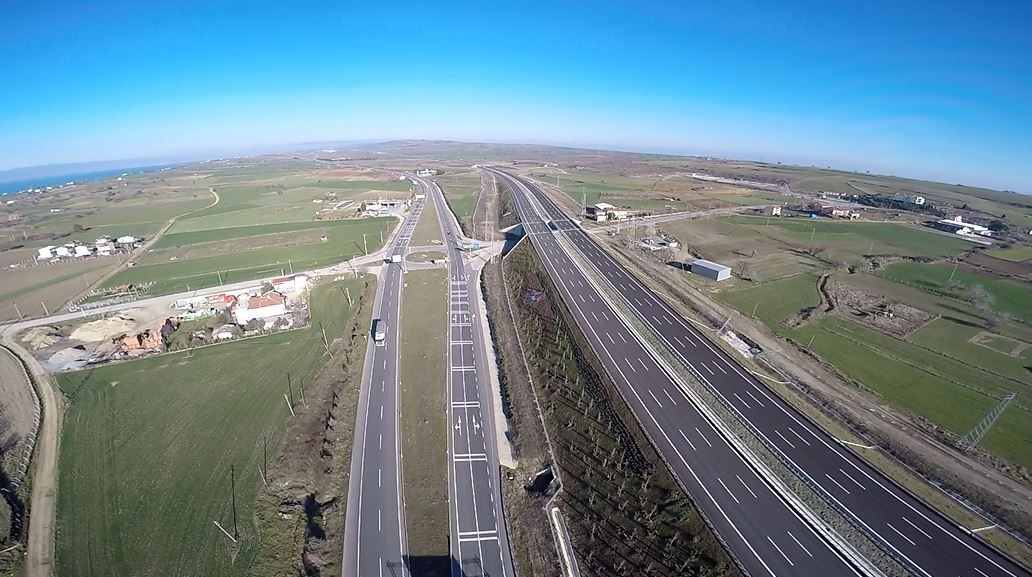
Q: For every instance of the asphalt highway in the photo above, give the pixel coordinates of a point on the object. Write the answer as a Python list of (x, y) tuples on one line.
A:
[(766, 536), (479, 541), (927, 542), (374, 534)]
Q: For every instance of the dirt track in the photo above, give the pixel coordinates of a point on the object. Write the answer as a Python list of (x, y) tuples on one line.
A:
[(39, 560)]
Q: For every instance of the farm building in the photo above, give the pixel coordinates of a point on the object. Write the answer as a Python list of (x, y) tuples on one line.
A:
[(46, 252), (62, 251), (126, 239), (382, 205), (711, 270), (957, 225), (290, 284), (82, 250), (270, 304), (604, 211)]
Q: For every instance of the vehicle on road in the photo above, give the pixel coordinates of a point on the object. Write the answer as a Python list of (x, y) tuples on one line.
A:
[(395, 258), (379, 332)]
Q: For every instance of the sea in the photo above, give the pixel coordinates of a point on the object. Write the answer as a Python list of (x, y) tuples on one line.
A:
[(42, 182)]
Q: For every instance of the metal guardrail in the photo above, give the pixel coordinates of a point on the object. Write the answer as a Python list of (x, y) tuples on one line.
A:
[(800, 474)]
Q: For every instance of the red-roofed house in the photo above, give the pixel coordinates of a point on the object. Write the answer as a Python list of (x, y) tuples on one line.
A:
[(270, 304)]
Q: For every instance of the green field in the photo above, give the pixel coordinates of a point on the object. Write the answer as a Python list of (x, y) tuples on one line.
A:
[(937, 374), (147, 448), (1009, 297), (344, 242), (1013, 254), (850, 239)]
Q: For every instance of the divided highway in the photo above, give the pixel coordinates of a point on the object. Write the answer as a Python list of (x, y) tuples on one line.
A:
[(922, 539), (374, 533), (479, 542), (762, 531)]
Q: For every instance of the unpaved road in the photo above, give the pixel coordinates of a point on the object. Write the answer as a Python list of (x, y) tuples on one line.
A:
[(39, 560), (17, 403)]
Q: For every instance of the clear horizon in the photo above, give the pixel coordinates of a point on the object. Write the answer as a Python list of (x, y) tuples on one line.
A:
[(932, 91)]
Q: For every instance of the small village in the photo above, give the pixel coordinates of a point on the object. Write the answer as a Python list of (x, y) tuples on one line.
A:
[(202, 320)]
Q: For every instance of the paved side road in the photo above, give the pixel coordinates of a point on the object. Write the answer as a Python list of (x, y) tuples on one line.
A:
[(375, 543), (479, 540)]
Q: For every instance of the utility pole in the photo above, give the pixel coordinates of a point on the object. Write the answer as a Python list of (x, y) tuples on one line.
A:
[(347, 291), (290, 265), (954, 271), (365, 248), (218, 272), (301, 390), (20, 317), (811, 341), (265, 456), (290, 389), (232, 488), (47, 312), (813, 232), (754, 308), (86, 280)]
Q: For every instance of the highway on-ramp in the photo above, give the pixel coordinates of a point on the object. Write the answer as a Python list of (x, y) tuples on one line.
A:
[(479, 541), (374, 534), (767, 537), (923, 540)]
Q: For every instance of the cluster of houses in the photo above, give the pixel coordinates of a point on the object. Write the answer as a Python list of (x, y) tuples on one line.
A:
[(269, 305), (103, 246), (833, 211)]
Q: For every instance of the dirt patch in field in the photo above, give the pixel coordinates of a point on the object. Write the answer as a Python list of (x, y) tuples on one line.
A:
[(999, 343), (877, 312)]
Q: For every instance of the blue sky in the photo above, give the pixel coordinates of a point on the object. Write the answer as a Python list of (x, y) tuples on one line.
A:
[(938, 90)]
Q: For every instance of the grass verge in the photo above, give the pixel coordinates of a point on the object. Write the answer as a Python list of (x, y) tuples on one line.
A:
[(422, 379), (626, 513)]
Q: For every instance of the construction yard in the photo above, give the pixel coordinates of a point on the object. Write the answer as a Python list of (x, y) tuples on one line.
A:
[(148, 447)]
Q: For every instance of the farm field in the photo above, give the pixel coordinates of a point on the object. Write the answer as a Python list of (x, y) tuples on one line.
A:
[(1008, 296), (1014, 254), (148, 445), (934, 372), (462, 190), (344, 240), (52, 284)]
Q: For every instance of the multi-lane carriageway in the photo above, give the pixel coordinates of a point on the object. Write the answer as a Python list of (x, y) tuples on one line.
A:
[(925, 541)]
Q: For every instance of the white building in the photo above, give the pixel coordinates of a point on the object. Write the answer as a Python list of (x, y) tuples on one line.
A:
[(82, 250), (62, 251), (46, 252), (957, 225), (270, 304), (126, 239), (292, 284), (711, 270)]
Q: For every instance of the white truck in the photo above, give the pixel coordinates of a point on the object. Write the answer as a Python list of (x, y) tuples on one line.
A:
[(395, 258), (379, 333)]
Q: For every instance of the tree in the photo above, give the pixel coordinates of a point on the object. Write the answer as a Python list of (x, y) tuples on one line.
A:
[(998, 226), (255, 325)]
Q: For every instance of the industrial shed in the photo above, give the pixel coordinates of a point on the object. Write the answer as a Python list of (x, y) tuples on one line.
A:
[(711, 270)]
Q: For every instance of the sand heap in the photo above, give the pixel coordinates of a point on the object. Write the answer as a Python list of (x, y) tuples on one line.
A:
[(38, 338), (104, 329)]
